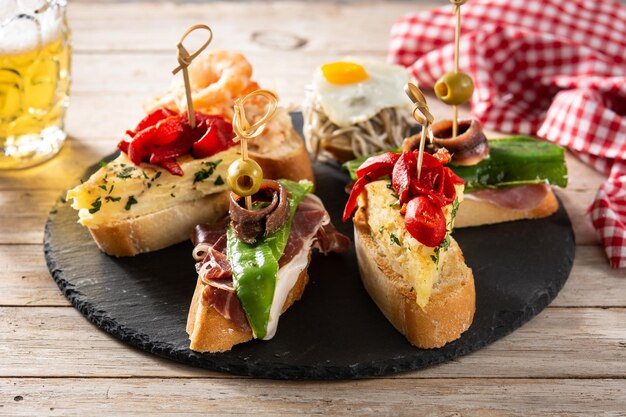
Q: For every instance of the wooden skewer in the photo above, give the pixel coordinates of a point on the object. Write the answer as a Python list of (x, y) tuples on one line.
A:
[(184, 60), (244, 131), (457, 37), (425, 119)]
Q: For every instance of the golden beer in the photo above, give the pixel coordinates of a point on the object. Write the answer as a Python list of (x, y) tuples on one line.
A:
[(34, 85)]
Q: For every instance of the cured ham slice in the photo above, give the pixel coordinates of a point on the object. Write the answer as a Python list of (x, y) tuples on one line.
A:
[(311, 226), (525, 197)]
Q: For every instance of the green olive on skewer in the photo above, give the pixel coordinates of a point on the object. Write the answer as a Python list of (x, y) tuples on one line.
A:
[(244, 177), (454, 88)]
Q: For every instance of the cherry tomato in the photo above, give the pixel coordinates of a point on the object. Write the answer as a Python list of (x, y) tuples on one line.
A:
[(425, 221)]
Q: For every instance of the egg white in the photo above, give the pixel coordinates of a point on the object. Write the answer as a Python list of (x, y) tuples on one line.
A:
[(346, 105)]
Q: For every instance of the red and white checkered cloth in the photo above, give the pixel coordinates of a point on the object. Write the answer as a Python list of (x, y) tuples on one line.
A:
[(551, 68)]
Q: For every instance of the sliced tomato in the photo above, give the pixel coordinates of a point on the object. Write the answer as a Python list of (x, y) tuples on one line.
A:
[(357, 188), (425, 221), (378, 166)]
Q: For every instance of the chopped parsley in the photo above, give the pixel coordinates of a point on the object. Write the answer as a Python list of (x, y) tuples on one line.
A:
[(205, 173), (104, 187), (125, 172), (394, 239), (111, 189), (103, 164), (129, 203), (113, 199), (95, 206), (445, 243), (380, 229), (219, 180)]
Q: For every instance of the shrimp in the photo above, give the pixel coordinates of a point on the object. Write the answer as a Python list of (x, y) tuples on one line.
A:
[(217, 78)]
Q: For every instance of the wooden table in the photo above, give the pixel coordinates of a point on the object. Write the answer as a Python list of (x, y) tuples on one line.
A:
[(570, 360)]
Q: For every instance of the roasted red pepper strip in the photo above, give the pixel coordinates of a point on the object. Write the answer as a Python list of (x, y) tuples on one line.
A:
[(403, 173), (218, 137), (137, 148), (168, 130), (153, 118), (359, 185), (421, 200), (172, 167), (164, 135), (378, 166)]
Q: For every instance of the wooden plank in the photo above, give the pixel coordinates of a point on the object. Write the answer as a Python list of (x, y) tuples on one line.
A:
[(59, 342), (27, 282), (592, 282), (379, 397), (25, 278), (141, 25)]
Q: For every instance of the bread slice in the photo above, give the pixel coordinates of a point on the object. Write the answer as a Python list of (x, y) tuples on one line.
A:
[(159, 230), (167, 227), (481, 212), (452, 303), (287, 160), (209, 331)]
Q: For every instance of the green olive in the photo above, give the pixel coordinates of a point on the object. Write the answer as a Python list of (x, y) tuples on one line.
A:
[(454, 88), (244, 177)]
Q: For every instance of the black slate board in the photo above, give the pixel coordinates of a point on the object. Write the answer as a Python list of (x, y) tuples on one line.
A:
[(335, 331)]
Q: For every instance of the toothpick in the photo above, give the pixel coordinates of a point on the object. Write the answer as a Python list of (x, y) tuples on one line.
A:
[(420, 155), (425, 119), (244, 131), (457, 37), (184, 60)]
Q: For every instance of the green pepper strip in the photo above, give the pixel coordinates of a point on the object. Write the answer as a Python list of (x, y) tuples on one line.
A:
[(518, 160), (255, 266)]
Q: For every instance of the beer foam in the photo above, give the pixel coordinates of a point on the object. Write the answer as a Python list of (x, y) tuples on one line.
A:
[(22, 30)]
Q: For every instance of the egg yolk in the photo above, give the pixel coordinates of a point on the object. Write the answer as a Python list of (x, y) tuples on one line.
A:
[(343, 73)]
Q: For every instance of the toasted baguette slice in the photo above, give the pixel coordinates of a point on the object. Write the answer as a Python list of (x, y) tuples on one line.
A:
[(449, 310), (173, 225), (209, 331), (287, 160), (159, 230), (481, 212)]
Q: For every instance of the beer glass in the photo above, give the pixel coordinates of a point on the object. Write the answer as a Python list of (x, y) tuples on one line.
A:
[(34, 80)]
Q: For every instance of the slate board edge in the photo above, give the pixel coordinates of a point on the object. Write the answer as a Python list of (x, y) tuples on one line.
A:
[(278, 370)]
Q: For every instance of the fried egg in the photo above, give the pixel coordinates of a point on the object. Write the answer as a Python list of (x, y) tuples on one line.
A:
[(354, 91)]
